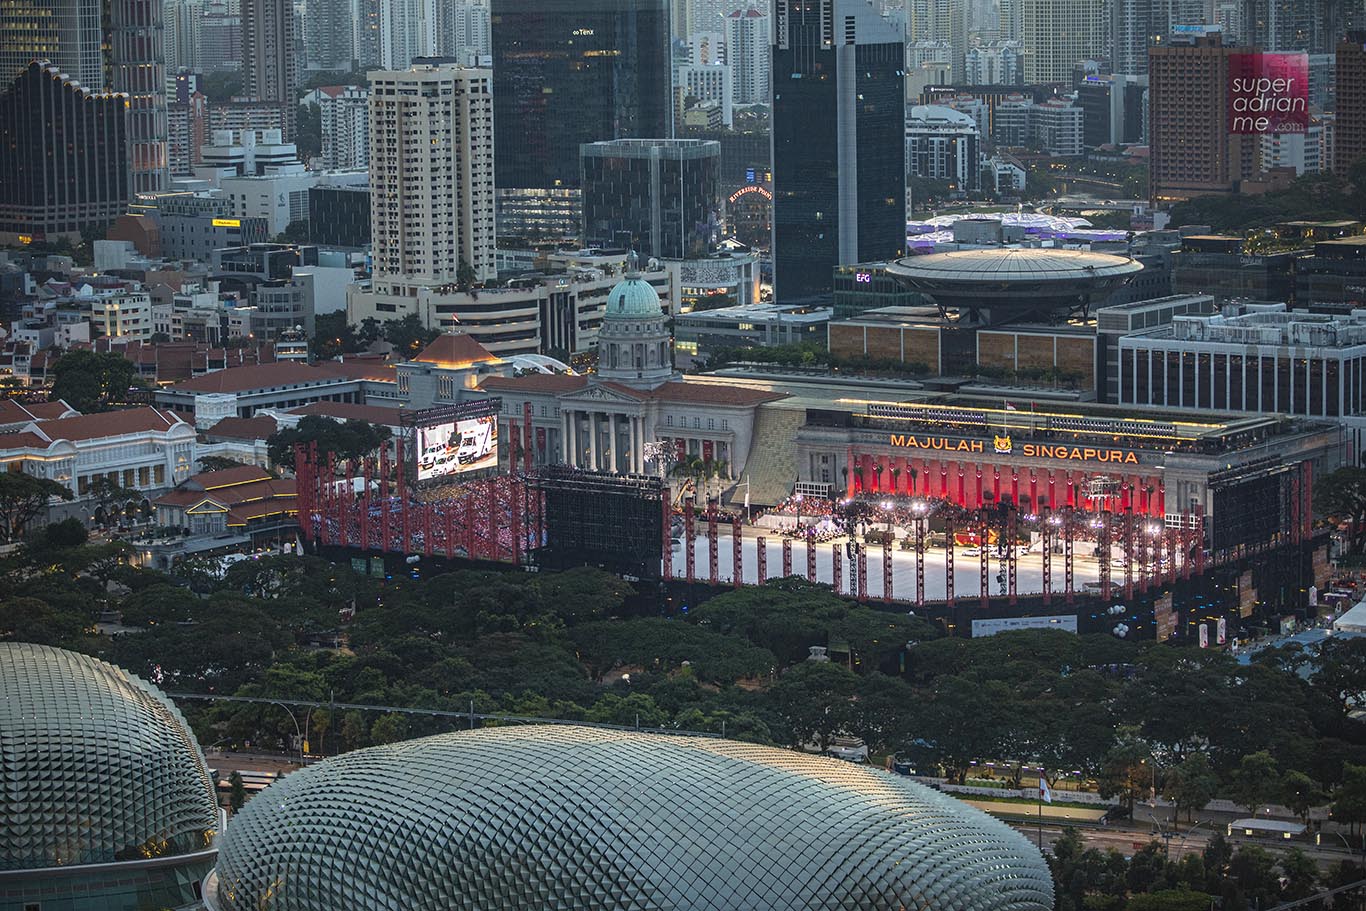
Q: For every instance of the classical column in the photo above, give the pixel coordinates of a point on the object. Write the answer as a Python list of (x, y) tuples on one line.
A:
[(593, 441), (612, 464), (566, 448), (637, 461)]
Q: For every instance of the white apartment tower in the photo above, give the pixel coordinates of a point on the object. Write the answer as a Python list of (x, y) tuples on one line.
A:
[(431, 174), (749, 55)]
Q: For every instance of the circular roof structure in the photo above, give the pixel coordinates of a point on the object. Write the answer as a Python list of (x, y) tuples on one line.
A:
[(1004, 284), (580, 818), (96, 766), (1016, 265)]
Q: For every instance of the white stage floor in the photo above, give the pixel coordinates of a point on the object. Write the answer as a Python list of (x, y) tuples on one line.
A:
[(967, 569)]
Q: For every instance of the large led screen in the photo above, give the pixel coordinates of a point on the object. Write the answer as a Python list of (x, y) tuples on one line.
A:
[(457, 446)]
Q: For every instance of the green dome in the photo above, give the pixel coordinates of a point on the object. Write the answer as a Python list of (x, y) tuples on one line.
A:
[(633, 298)]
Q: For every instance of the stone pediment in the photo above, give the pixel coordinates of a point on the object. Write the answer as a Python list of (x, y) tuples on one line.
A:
[(598, 393)]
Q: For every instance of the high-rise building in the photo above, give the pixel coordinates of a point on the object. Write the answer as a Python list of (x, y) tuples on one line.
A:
[(1137, 25), (1349, 127), (136, 41), (366, 38), (66, 156), (184, 19), (569, 72), (431, 174), (944, 144), (749, 56), (659, 197), (708, 82), (1056, 34), (1191, 152), (69, 34), (329, 36), (114, 45), (1287, 25), (839, 146), (220, 38), (463, 33), (993, 63), (344, 112), (269, 73), (941, 20), (407, 31)]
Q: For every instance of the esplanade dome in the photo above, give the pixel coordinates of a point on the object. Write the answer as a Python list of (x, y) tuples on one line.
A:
[(582, 818), (96, 767)]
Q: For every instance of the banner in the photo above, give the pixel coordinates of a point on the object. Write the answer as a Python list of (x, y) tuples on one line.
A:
[(1204, 635), (1268, 93), (1221, 631)]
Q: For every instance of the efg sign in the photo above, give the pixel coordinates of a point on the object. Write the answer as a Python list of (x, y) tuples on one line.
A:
[(1268, 93)]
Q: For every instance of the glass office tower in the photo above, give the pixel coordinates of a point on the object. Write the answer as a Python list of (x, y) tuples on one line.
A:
[(569, 72), (659, 197), (839, 149)]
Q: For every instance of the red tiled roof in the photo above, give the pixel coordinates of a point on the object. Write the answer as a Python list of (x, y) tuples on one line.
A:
[(713, 394), (349, 411), (552, 383), (228, 477), (258, 428), (12, 412), (22, 440), (260, 376), (109, 424), (455, 350)]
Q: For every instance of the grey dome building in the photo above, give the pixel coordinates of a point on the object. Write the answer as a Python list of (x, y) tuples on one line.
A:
[(580, 818), (105, 798)]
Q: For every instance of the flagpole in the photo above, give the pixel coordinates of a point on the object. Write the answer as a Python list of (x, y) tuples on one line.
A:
[(1041, 814)]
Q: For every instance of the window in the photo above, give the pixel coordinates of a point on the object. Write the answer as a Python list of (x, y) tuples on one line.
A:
[(669, 421), (696, 423), (725, 423), (711, 423)]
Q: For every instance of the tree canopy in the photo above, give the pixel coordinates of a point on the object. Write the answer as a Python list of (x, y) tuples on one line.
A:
[(91, 381), (350, 439)]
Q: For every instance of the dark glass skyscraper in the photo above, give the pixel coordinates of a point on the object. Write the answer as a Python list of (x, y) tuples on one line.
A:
[(65, 161), (659, 197), (839, 146), (569, 72)]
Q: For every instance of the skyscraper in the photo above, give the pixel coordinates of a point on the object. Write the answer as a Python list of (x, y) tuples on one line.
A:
[(431, 175), (66, 155), (462, 32), (659, 197), (839, 150), (1349, 140), (941, 20), (1137, 25), (69, 34), (749, 55), (1191, 152), (1057, 34), (568, 72), (269, 74), (329, 35), (136, 42), (105, 45)]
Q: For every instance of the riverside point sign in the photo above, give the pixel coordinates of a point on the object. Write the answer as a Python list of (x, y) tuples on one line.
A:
[(1004, 445)]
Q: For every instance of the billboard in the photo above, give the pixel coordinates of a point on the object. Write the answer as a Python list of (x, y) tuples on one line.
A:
[(455, 447), (1268, 93)]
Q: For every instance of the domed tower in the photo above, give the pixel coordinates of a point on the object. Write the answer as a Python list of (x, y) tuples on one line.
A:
[(633, 343)]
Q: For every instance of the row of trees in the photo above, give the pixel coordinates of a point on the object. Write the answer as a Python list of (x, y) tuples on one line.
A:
[(1191, 724)]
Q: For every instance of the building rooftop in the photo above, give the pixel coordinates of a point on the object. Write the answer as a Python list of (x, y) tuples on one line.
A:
[(761, 313), (1010, 264), (99, 766), (350, 411), (456, 351), (615, 819), (252, 429), (108, 424)]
